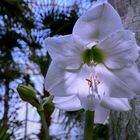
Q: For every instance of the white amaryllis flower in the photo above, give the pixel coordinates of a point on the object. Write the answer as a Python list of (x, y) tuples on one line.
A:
[(94, 67)]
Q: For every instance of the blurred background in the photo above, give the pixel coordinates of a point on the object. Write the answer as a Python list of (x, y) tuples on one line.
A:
[(24, 24)]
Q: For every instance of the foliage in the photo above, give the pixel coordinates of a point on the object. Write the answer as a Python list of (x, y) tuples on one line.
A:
[(59, 22), (3, 132), (100, 132)]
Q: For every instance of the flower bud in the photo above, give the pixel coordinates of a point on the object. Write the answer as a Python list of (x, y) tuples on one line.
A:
[(27, 94)]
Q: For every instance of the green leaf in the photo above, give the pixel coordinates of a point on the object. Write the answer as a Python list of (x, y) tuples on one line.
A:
[(28, 94)]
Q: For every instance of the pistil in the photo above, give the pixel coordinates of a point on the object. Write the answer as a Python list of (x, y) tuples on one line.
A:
[(93, 87)]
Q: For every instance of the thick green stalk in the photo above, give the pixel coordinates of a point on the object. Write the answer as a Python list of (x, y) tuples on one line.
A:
[(89, 124), (44, 123)]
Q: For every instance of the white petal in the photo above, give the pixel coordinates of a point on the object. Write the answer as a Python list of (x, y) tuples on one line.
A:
[(119, 104), (65, 51), (114, 87), (89, 102), (100, 20), (120, 48), (60, 82), (130, 76), (69, 103), (101, 114)]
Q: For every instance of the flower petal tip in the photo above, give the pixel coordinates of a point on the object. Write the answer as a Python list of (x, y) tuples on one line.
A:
[(101, 1), (138, 49)]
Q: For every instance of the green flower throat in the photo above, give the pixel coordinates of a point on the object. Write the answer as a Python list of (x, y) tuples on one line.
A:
[(93, 56)]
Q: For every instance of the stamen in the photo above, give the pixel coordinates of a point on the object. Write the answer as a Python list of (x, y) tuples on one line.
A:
[(89, 82), (93, 86)]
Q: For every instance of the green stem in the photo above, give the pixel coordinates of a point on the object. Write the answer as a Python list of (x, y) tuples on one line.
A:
[(89, 124), (44, 123)]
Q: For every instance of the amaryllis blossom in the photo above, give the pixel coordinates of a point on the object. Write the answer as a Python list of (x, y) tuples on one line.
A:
[(94, 67)]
